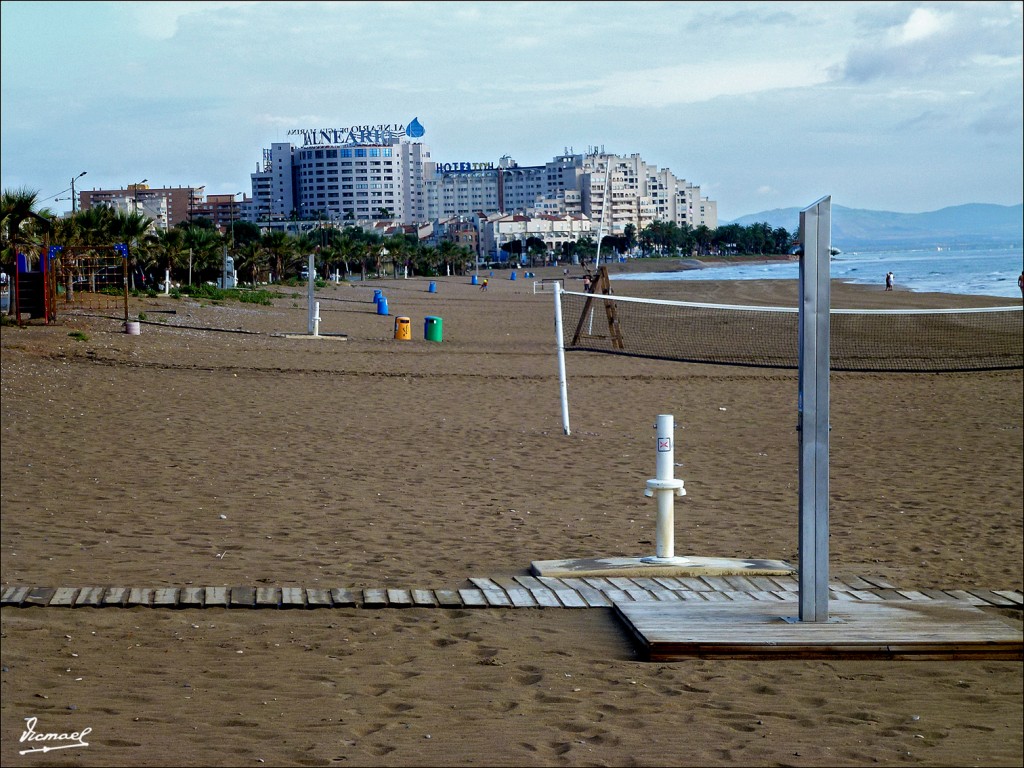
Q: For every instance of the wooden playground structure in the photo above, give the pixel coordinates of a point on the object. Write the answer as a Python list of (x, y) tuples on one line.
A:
[(82, 277)]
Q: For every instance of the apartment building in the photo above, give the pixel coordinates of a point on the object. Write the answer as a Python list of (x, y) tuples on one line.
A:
[(167, 206)]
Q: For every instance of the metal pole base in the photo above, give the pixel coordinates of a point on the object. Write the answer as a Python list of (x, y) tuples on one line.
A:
[(665, 560)]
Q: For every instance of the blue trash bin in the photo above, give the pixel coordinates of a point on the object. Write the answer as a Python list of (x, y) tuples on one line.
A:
[(432, 288), (382, 305), (512, 276), (377, 293), (474, 281)]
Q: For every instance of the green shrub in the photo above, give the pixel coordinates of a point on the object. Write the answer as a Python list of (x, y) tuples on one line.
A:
[(266, 298), (78, 336)]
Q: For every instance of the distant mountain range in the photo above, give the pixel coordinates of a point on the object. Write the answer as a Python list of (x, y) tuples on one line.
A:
[(972, 225)]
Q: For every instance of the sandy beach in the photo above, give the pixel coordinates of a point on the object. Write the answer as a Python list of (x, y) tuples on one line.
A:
[(211, 450)]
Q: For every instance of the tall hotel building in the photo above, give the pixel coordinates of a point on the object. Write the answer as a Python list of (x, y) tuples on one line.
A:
[(348, 173), (361, 173)]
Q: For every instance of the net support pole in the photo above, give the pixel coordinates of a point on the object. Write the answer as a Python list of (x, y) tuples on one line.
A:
[(310, 290), (666, 487), (563, 387), (813, 409)]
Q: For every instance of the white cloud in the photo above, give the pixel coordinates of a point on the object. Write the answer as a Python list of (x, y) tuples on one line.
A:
[(688, 83), (161, 20), (923, 23)]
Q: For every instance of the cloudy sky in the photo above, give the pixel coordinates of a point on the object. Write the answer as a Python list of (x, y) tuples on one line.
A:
[(901, 106)]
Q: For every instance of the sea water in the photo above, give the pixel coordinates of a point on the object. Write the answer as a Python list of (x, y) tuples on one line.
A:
[(975, 272)]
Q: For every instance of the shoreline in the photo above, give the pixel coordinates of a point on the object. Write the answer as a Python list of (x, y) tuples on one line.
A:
[(844, 292), (665, 265)]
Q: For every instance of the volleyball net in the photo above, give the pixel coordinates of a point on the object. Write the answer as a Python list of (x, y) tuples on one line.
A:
[(908, 340)]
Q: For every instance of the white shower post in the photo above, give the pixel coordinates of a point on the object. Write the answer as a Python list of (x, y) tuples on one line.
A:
[(666, 488)]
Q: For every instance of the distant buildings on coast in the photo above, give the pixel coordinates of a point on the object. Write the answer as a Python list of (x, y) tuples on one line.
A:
[(383, 177)]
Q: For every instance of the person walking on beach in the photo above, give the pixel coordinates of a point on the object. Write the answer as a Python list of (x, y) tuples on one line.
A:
[(586, 283), (483, 285), (890, 278)]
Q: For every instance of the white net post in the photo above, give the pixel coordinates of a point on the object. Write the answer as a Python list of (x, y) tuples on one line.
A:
[(563, 387)]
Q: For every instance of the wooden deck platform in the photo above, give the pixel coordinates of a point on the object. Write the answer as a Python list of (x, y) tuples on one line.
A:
[(885, 629), (677, 566)]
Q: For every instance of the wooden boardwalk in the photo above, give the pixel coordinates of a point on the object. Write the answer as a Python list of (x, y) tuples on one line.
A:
[(509, 592), (670, 617)]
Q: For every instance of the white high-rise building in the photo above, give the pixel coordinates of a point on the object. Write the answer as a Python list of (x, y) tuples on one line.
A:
[(360, 173), (616, 191)]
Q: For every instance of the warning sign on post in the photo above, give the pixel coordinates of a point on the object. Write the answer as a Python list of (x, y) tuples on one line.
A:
[(664, 444)]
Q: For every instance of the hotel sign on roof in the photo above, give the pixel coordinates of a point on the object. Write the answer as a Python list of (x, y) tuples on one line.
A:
[(358, 134)]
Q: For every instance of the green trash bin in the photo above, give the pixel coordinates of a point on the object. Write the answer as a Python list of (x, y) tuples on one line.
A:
[(432, 328)]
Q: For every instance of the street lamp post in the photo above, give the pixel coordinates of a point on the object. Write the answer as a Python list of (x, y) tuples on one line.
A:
[(130, 277), (135, 197), (228, 266), (236, 194), (74, 200)]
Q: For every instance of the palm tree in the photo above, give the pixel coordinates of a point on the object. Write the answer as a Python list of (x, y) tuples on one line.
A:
[(629, 237), (67, 233), (279, 246), (95, 225), (305, 244), (202, 245), (170, 245), (702, 237), (252, 257), (131, 227), (448, 252), (17, 213), (397, 249)]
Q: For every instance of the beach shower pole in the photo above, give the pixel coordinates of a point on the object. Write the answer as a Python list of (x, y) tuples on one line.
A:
[(667, 488), (310, 288), (316, 320), (562, 386)]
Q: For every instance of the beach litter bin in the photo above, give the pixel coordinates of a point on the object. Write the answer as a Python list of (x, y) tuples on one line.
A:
[(377, 293), (474, 281), (432, 288), (382, 305), (403, 328), (512, 276), (432, 328)]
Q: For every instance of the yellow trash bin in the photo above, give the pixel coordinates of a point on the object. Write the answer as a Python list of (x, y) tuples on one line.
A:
[(403, 328)]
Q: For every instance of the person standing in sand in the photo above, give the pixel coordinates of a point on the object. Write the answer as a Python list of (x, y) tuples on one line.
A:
[(890, 278), (483, 285)]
